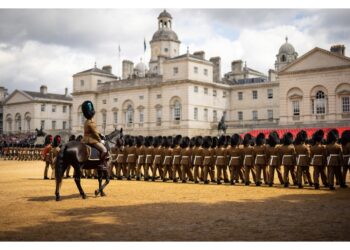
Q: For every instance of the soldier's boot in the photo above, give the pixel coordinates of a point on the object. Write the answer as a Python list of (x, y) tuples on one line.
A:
[(331, 187), (317, 186)]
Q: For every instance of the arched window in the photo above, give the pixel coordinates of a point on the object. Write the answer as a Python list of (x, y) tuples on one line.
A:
[(18, 122), (9, 122), (283, 58), (129, 116), (320, 102), (27, 118), (177, 111)]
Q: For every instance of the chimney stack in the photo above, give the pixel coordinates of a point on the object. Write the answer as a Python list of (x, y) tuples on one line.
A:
[(338, 49), (216, 68), (43, 89), (66, 91), (199, 54), (237, 66), (128, 69), (107, 68)]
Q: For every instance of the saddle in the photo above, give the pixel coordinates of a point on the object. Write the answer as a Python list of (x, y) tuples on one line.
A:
[(93, 159), (93, 153)]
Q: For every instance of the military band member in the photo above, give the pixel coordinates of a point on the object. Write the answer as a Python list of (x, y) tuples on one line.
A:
[(288, 159), (140, 154), (345, 141), (334, 158), (235, 158), (158, 157), (185, 162), (45, 155), (176, 158), (302, 158), (168, 159), (260, 160), (198, 158), (248, 158)]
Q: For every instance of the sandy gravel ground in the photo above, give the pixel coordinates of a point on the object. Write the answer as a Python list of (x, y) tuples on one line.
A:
[(146, 211)]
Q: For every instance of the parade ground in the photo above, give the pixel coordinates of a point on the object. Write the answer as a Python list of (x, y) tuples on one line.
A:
[(157, 211)]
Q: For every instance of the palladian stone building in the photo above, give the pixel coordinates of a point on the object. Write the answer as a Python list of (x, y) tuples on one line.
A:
[(186, 93)]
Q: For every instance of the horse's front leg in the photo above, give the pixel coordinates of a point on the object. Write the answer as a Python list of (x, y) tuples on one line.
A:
[(99, 177), (77, 176), (105, 184)]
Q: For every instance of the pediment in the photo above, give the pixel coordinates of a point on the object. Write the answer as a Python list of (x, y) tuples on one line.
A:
[(18, 97), (317, 59)]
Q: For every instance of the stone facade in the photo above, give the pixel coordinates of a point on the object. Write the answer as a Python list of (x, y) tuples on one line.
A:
[(24, 111), (185, 94)]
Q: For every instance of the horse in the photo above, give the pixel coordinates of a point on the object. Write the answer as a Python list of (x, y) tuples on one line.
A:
[(222, 126), (82, 156)]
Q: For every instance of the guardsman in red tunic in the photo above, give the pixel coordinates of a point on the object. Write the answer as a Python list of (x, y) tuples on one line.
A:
[(302, 158), (45, 155), (334, 158), (345, 141), (288, 159)]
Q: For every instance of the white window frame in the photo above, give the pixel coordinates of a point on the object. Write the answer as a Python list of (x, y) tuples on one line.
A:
[(345, 101)]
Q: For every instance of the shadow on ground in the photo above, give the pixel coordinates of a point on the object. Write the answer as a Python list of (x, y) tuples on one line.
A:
[(296, 217)]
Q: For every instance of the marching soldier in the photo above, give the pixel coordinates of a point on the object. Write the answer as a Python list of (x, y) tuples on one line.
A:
[(235, 158), (176, 153), (302, 158), (334, 158), (197, 153), (274, 158), (248, 158), (345, 141), (140, 153), (220, 161), (131, 157), (45, 155), (149, 157), (167, 162), (288, 159), (260, 158), (318, 158), (207, 159), (186, 159), (158, 158), (120, 159)]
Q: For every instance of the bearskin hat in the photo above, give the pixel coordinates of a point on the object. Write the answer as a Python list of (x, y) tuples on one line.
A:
[(227, 140), (140, 141), (215, 142), (199, 141), (185, 142), (345, 137), (221, 140), (287, 138), (131, 141), (177, 139), (260, 139), (318, 136), (235, 139), (72, 138), (301, 137), (79, 138), (248, 139), (56, 141), (273, 139), (88, 109), (332, 136), (48, 139)]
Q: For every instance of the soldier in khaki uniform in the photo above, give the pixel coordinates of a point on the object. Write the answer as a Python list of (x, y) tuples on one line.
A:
[(248, 158), (119, 159), (274, 158), (158, 157), (234, 153), (207, 158), (318, 159), (220, 161), (334, 158), (302, 158), (176, 157), (185, 162), (345, 141), (130, 157), (168, 159), (260, 161), (288, 159), (198, 158), (149, 154), (140, 154)]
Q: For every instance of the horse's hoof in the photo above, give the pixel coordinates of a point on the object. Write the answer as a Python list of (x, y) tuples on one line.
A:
[(96, 192), (58, 198), (83, 196), (103, 194)]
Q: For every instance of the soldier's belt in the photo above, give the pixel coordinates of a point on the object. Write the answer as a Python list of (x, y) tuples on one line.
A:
[(347, 156), (330, 157), (298, 159), (245, 157), (271, 159), (256, 158), (166, 161), (139, 159), (285, 156), (176, 157), (197, 159), (233, 157)]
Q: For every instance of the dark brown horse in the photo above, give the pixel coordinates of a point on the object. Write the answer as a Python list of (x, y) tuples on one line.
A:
[(81, 156)]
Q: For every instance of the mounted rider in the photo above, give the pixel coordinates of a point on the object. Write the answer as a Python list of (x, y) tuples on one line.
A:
[(91, 135)]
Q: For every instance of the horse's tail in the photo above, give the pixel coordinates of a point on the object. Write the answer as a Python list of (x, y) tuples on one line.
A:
[(59, 164)]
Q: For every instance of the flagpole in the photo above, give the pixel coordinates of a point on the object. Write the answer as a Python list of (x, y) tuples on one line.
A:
[(119, 61)]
